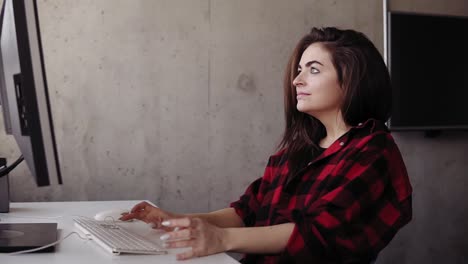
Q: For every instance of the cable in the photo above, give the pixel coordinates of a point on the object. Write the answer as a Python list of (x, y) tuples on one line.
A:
[(5, 170), (49, 245)]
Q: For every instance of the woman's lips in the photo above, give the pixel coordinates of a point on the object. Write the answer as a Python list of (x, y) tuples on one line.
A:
[(301, 94)]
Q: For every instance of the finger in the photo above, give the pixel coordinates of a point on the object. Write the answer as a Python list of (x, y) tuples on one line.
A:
[(180, 222), (166, 229), (140, 206), (183, 234), (179, 244), (130, 216), (186, 255), (126, 216)]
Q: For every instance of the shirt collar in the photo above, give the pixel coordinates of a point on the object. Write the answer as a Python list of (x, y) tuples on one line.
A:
[(369, 126)]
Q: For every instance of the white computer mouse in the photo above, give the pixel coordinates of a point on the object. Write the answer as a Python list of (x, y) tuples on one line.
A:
[(109, 215)]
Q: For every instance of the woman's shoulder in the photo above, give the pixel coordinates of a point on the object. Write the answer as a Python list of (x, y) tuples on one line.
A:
[(372, 132), (373, 139), (369, 140)]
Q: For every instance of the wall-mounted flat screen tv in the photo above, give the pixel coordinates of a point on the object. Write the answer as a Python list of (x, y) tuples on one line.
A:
[(428, 63)]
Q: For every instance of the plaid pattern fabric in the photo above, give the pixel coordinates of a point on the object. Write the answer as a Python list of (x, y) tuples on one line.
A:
[(347, 203)]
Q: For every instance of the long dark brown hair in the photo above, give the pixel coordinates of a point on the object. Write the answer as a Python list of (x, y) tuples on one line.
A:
[(362, 75)]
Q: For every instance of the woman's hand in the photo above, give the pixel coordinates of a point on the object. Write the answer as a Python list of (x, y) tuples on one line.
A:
[(202, 237), (148, 213)]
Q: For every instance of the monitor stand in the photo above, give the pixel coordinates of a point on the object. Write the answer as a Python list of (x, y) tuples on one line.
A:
[(24, 236), (4, 190), (18, 237)]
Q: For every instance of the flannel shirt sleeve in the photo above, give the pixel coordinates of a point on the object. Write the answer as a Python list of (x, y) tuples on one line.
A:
[(249, 203), (358, 218)]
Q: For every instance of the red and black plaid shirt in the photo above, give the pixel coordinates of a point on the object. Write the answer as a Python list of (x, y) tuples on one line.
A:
[(346, 204)]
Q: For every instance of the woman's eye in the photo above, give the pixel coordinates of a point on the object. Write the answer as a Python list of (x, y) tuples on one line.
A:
[(314, 70)]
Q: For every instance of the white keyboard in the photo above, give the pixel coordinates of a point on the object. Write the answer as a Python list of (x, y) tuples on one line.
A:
[(116, 239)]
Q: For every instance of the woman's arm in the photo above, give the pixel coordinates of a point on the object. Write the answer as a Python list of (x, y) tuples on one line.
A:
[(223, 218), (259, 240), (144, 211), (204, 238)]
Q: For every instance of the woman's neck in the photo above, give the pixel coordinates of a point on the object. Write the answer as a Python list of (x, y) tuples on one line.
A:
[(328, 140), (335, 127)]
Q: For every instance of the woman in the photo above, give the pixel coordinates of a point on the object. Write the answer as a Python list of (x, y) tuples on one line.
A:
[(337, 191)]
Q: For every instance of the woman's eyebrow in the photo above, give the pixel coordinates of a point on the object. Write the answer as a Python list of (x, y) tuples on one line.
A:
[(308, 64)]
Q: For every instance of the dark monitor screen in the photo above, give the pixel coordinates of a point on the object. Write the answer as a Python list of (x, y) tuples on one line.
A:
[(23, 90), (428, 62)]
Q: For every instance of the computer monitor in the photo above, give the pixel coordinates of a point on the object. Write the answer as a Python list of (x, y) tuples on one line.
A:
[(27, 115), (24, 95)]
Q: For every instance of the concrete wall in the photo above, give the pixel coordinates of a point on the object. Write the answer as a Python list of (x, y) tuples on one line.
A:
[(172, 101), (180, 102)]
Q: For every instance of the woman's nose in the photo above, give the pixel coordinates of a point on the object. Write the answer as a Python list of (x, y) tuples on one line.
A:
[(298, 80)]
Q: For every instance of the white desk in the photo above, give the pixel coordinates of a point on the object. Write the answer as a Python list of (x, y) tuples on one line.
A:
[(75, 250)]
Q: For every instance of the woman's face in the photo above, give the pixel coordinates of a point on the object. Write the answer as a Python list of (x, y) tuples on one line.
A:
[(317, 88)]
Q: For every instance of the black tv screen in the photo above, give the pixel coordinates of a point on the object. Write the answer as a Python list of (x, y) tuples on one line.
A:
[(428, 63)]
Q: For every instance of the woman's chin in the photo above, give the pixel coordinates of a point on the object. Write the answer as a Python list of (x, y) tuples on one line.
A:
[(302, 108), (306, 110)]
